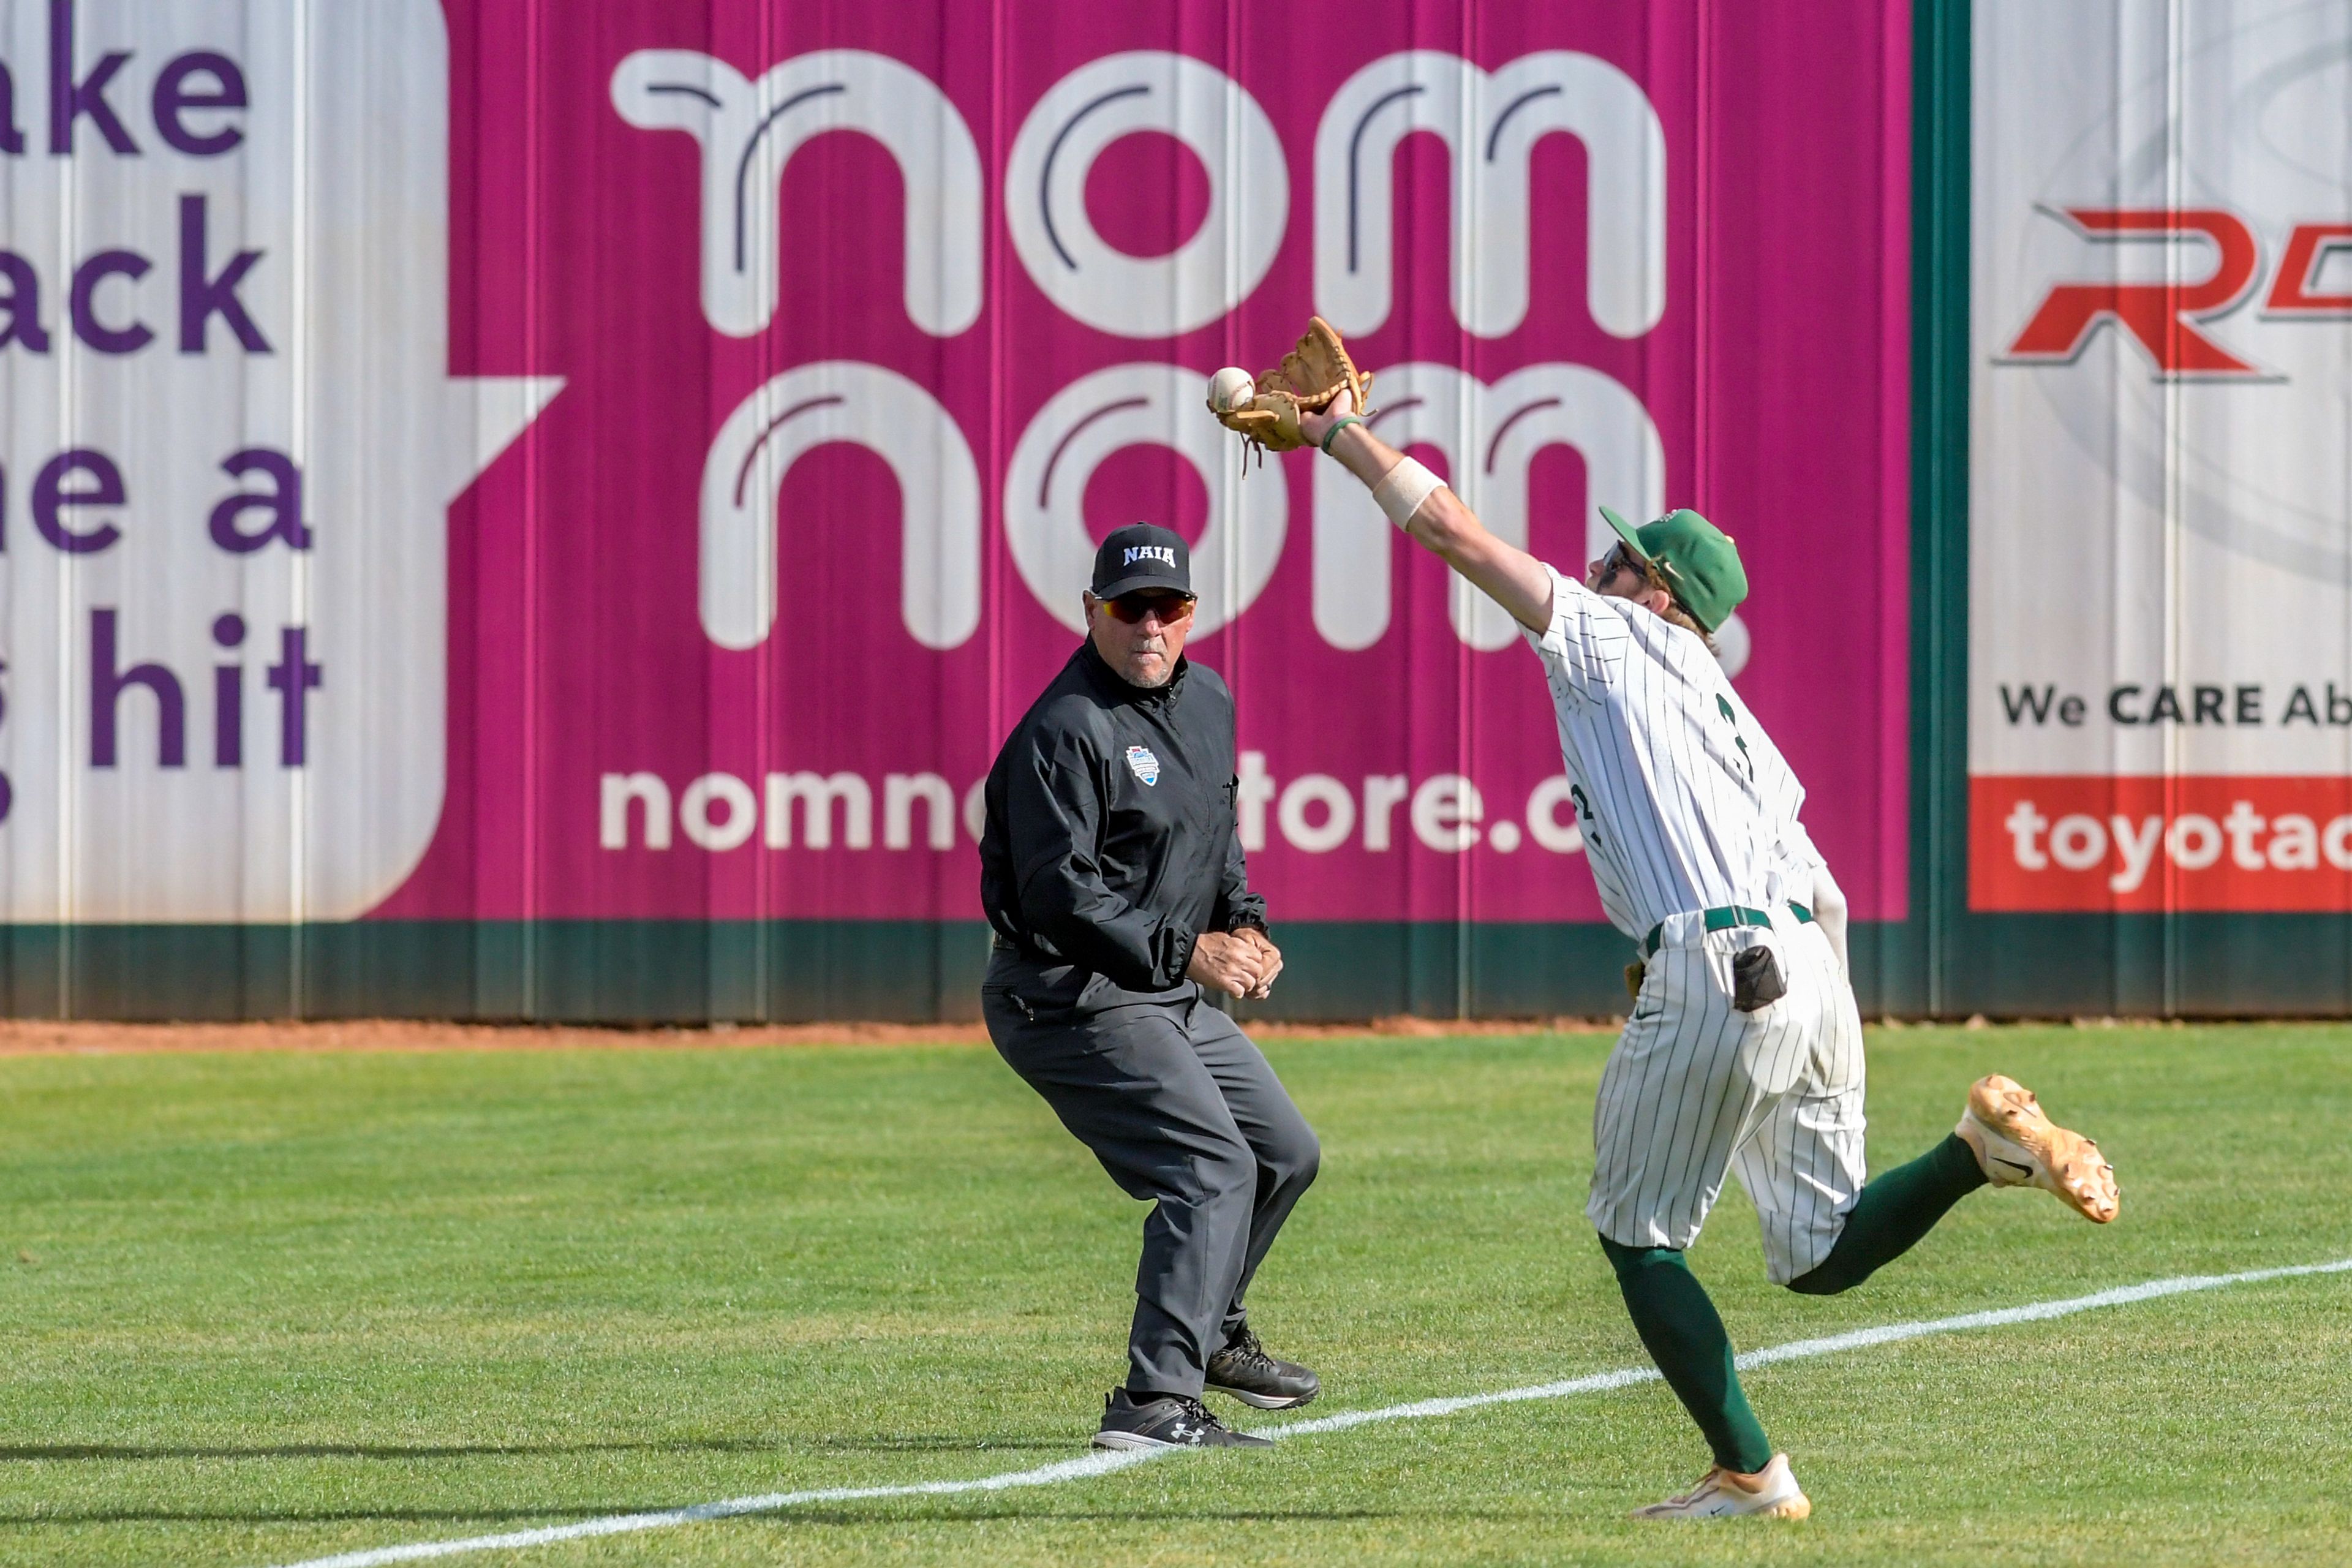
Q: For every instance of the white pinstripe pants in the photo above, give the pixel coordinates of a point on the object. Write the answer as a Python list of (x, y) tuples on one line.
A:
[(1696, 1087)]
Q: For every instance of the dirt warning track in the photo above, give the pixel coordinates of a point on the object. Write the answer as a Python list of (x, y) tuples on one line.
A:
[(51, 1036)]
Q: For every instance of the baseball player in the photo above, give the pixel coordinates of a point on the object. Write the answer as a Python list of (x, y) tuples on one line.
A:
[(1743, 1053)]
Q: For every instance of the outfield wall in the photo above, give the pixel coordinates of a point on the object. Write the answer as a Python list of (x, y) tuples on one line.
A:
[(508, 514)]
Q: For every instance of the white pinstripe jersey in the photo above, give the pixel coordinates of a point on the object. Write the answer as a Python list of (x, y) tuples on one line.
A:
[(1684, 800)]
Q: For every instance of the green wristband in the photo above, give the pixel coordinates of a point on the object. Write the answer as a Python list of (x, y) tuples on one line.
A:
[(1336, 426)]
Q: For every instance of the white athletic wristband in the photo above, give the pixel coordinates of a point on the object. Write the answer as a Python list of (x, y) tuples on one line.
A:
[(1402, 489)]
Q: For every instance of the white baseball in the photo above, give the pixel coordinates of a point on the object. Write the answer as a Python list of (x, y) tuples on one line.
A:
[(1229, 388)]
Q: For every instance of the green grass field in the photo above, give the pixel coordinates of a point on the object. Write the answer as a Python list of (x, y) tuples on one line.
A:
[(258, 1308)]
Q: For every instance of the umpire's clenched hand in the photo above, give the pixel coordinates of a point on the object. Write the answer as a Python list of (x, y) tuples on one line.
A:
[(1269, 962), (1226, 964)]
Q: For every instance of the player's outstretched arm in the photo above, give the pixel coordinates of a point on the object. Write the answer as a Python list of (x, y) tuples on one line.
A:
[(1503, 572)]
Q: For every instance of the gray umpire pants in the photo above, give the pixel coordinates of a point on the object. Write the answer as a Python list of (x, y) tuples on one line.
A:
[(1182, 1110)]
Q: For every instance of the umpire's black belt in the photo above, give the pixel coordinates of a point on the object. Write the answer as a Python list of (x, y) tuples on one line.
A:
[(1724, 918)]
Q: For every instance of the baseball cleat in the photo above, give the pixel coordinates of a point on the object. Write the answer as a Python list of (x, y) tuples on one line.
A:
[(1245, 1371), (1166, 1421), (1772, 1493), (2016, 1145)]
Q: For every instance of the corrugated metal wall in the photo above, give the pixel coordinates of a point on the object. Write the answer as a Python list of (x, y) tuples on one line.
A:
[(518, 511)]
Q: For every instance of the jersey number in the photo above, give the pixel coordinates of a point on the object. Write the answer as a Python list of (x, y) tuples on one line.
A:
[(1723, 705), (1585, 812)]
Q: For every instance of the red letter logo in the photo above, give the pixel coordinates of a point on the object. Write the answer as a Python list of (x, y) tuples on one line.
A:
[(2157, 314), (2291, 292)]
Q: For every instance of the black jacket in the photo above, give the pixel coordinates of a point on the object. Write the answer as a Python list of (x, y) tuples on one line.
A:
[(1111, 842)]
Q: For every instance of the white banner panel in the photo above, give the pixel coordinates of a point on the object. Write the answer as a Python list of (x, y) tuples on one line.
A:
[(230, 435), (2160, 705)]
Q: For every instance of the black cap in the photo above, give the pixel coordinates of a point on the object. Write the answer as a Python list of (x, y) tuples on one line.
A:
[(1143, 556)]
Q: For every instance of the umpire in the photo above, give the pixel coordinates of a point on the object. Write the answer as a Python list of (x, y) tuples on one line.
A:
[(1111, 868)]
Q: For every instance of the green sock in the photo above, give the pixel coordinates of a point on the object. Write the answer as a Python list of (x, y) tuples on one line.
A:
[(1675, 1320), (1894, 1212)]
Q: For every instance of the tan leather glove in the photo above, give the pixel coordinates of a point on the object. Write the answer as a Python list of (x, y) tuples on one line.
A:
[(1308, 378)]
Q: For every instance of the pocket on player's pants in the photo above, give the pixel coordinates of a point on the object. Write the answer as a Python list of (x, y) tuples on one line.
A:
[(1756, 979), (1746, 967)]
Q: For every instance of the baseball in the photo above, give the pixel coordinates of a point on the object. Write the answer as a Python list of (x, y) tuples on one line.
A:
[(1229, 388)]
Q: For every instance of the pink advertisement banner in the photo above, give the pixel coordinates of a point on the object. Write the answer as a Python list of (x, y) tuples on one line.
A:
[(868, 320)]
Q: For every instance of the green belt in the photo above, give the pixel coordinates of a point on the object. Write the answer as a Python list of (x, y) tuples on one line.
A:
[(1724, 919)]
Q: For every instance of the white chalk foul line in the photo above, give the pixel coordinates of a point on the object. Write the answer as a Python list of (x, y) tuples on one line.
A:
[(1104, 1463)]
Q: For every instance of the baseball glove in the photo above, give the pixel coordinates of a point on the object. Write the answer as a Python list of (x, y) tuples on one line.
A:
[(1307, 381)]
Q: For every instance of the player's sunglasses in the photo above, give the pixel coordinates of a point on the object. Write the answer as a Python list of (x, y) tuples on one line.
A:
[(1621, 559), (1133, 607)]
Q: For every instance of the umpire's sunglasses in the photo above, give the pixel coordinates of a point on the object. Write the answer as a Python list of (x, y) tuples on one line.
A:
[(1133, 607)]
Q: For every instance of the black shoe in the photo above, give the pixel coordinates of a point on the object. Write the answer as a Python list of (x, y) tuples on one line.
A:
[(1244, 1370), (1166, 1421)]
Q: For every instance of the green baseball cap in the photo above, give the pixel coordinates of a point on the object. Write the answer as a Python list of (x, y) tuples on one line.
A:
[(1698, 559)]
